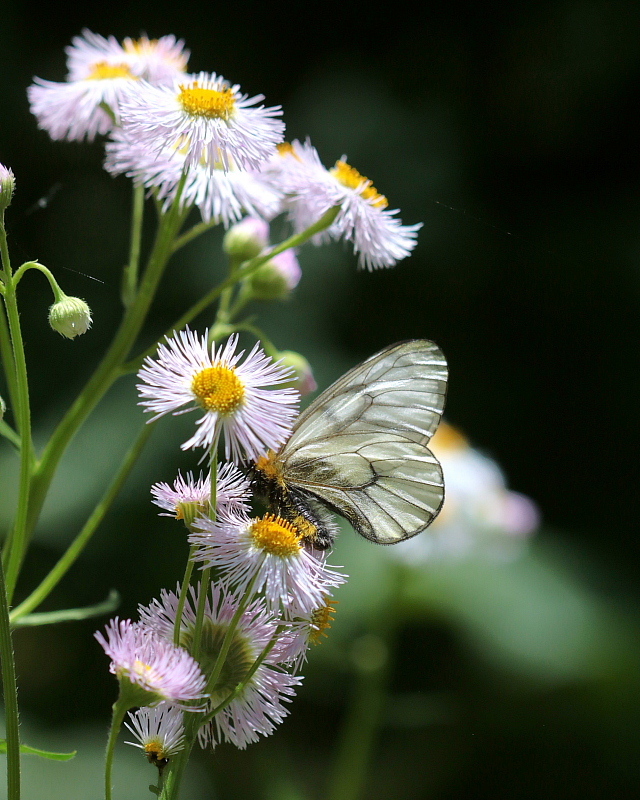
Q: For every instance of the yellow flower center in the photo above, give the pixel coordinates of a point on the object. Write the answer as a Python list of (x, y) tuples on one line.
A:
[(352, 179), (321, 619), (286, 149), (209, 103), (102, 70), (276, 536), (449, 438), (218, 389), (145, 671)]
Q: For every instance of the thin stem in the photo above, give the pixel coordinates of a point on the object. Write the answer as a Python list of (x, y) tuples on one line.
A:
[(247, 269), (8, 432), (10, 694), (117, 718), (106, 373), (130, 274), (228, 637), (15, 544), (6, 357), (244, 682), (79, 543), (184, 591), (193, 233)]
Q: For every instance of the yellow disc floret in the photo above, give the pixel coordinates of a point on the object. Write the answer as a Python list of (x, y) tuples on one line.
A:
[(211, 103), (321, 619), (102, 70), (218, 388), (276, 536), (350, 177)]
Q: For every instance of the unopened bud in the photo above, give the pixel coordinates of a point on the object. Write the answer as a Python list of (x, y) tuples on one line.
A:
[(275, 279), (7, 185), (303, 380), (70, 316), (246, 239)]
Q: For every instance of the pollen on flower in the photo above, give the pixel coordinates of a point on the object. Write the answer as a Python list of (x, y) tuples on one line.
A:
[(102, 70), (321, 620), (219, 389), (287, 149), (352, 179), (210, 103), (276, 536), (145, 671)]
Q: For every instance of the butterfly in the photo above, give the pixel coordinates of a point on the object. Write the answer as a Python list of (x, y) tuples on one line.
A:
[(360, 451)]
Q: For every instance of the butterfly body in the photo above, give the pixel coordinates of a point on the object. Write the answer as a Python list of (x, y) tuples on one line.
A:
[(360, 450)]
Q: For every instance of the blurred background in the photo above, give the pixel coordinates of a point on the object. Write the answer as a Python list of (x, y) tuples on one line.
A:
[(508, 130)]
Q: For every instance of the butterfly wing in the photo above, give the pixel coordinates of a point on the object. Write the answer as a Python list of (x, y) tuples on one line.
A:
[(361, 446)]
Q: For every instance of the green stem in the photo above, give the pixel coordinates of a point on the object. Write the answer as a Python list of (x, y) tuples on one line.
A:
[(245, 681), (6, 358), (130, 274), (184, 591), (79, 543), (14, 545), (58, 294), (119, 710), (193, 233), (247, 269), (10, 693), (104, 376), (8, 432)]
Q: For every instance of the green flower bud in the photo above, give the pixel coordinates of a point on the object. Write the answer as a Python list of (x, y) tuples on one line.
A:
[(70, 316), (303, 380), (275, 279), (246, 239), (7, 185)]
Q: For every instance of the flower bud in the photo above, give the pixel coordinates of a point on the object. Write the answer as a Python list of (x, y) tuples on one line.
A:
[(70, 316), (7, 185), (246, 239), (303, 380), (275, 279)]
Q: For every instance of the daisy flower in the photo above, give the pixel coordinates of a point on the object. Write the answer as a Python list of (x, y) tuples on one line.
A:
[(304, 632), (270, 552), (364, 218), (260, 705), (143, 661), (159, 731), (100, 70), (189, 498), (219, 194), (229, 389), (155, 60), (207, 116), (480, 515)]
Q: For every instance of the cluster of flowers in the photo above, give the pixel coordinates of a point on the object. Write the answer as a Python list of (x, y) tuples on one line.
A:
[(228, 652), (197, 137)]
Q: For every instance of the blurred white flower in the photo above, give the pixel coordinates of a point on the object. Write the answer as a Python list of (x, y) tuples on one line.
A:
[(480, 516)]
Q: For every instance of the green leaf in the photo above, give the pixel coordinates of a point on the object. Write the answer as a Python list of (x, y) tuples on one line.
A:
[(33, 751)]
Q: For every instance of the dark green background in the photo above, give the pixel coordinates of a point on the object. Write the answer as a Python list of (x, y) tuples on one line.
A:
[(511, 131)]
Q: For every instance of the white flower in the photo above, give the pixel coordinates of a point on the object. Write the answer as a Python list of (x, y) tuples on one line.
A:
[(207, 117), (189, 498), (143, 659), (219, 194), (259, 707), (269, 553), (159, 731), (480, 516), (100, 70), (155, 60), (229, 389), (364, 219)]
